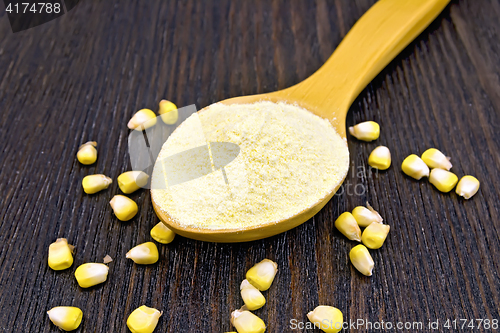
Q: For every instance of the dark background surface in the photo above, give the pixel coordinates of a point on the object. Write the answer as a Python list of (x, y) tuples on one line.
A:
[(82, 76)]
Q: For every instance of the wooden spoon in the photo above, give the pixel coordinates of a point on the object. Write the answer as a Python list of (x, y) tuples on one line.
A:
[(378, 36)]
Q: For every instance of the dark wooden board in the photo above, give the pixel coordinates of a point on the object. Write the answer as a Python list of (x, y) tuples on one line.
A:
[(82, 76)]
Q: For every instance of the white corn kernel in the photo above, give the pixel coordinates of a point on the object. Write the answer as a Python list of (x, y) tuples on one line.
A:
[(380, 158), (107, 259), (123, 207), (347, 225), (67, 318), (60, 254), (415, 167), (91, 274), (374, 235), (252, 296), (361, 259), (247, 322), (366, 131), (443, 180), (162, 234), (87, 154), (131, 181), (436, 159), (262, 274), (467, 186), (144, 254), (364, 216), (327, 318), (94, 183), (143, 320), (168, 112), (142, 119)]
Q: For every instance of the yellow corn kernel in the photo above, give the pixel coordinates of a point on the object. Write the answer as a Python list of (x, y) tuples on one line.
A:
[(467, 186), (364, 216), (95, 183), (247, 322), (142, 119), (361, 259), (436, 159), (347, 225), (374, 235), (162, 234), (131, 181), (366, 131), (87, 154), (67, 318), (91, 274), (380, 158), (327, 318), (444, 180), (262, 274), (414, 167), (60, 254), (168, 112), (144, 254), (123, 207), (252, 297), (143, 319)]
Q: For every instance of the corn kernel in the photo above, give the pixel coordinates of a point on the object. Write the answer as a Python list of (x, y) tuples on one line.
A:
[(247, 322), (107, 259), (168, 112), (162, 234), (327, 318), (436, 159), (123, 207), (144, 254), (91, 274), (262, 274), (67, 318), (443, 180), (374, 235), (252, 297), (142, 119), (87, 154), (347, 225), (380, 158), (60, 254), (361, 259), (467, 186), (366, 131), (364, 216), (414, 167), (95, 183), (143, 319), (131, 181)]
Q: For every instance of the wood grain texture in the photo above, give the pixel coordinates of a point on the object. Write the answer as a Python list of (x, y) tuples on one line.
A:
[(82, 76)]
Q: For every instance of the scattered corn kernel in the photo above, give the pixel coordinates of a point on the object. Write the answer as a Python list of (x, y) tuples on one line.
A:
[(131, 181), (467, 186), (262, 274), (361, 259), (95, 183), (247, 322), (252, 296), (67, 318), (107, 259), (144, 254), (436, 159), (347, 225), (414, 167), (87, 154), (60, 254), (366, 131), (374, 235), (142, 119), (364, 216), (123, 207), (444, 180), (327, 318), (380, 158), (168, 112), (91, 274), (162, 234), (143, 319)]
